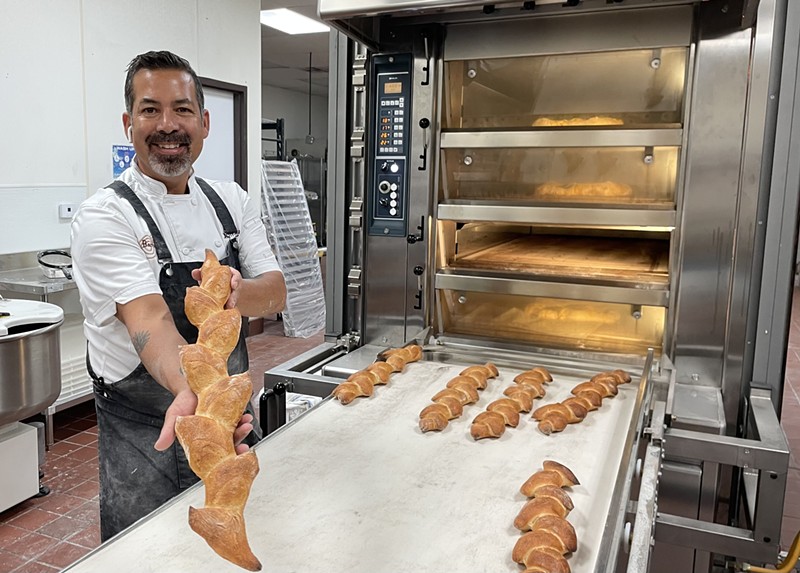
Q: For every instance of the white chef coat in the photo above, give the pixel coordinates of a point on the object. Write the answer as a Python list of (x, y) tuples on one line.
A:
[(114, 259)]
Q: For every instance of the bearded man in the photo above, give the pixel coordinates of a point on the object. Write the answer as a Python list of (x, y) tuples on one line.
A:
[(137, 244)]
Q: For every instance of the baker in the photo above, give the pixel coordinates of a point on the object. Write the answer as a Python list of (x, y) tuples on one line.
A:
[(137, 244)]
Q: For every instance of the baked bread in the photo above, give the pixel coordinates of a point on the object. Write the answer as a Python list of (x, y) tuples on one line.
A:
[(488, 425), (507, 408), (363, 382), (537, 508), (436, 416), (207, 436), (605, 388), (523, 396), (576, 121)]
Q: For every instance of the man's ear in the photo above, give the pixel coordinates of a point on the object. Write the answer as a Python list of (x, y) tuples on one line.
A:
[(206, 123)]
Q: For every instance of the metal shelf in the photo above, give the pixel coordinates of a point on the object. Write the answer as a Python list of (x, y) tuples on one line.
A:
[(657, 296), (592, 216), (561, 137)]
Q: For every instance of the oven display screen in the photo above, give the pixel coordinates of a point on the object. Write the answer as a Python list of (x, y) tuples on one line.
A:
[(392, 88)]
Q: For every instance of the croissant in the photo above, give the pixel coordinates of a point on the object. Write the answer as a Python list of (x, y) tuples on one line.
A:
[(489, 370), (507, 408), (465, 392), (207, 436), (397, 358), (584, 401), (488, 425), (437, 415), (537, 508), (479, 381), (618, 376), (606, 389), (354, 387), (539, 374), (535, 386), (522, 395)]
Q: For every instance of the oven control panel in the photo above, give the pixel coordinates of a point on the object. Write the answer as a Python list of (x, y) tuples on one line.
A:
[(392, 111)]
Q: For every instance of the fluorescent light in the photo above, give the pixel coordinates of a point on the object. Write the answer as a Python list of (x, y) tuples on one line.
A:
[(291, 22)]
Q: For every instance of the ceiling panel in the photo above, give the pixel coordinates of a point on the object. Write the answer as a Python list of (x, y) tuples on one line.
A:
[(284, 58)]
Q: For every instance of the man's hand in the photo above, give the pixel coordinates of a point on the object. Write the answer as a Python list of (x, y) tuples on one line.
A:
[(240, 433), (184, 404), (236, 284)]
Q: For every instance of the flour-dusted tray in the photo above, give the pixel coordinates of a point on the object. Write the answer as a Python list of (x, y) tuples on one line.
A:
[(359, 488)]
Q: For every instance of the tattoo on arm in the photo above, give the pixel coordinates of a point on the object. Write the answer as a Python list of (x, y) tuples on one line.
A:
[(140, 340)]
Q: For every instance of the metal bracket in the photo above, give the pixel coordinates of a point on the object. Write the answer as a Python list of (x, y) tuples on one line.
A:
[(354, 282), (356, 217), (357, 142)]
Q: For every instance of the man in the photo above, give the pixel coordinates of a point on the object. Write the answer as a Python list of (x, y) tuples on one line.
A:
[(136, 246)]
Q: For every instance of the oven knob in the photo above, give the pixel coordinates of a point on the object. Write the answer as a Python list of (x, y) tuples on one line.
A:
[(384, 166), (383, 186), (393, 211), (394, 168), (384, 201)]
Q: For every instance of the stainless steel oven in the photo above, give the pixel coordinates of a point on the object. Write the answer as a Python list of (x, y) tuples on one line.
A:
[(581, 184)]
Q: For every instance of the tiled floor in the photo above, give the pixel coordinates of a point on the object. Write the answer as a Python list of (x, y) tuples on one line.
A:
[(45, 534)]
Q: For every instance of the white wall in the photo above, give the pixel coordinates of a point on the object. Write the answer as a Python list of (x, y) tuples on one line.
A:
[(292, 106), (61, 91)]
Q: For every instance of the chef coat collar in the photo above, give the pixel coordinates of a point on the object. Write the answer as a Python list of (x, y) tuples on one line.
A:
[(156, 187)]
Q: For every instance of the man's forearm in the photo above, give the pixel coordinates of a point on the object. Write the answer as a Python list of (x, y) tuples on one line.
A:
[(263, 295), (156, 341)]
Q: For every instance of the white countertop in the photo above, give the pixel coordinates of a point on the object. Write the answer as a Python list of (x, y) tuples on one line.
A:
[(359, 488)]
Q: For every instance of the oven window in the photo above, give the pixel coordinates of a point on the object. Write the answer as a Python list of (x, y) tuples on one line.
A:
[(607, 90)]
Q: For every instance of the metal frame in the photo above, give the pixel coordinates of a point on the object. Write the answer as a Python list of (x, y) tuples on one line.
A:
[(767, 452)]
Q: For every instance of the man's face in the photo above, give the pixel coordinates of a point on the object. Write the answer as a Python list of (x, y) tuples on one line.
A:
[(168, 125)]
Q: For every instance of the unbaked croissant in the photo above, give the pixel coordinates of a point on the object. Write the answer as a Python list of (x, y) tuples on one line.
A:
[(207, 436)]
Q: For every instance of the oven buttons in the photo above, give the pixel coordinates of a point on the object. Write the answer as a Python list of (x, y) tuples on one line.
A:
[(383, 186), (394, 168), (393, 211)]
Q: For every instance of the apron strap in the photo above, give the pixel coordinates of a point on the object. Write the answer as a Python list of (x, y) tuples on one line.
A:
[(162, 251), (223, 214)]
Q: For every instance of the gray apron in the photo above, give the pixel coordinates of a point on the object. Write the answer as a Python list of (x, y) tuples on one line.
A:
[(135, 479)]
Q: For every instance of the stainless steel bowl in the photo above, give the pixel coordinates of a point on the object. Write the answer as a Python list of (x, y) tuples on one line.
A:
[(30, 376)]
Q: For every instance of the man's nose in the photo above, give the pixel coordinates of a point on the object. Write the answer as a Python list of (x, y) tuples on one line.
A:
[(168, 122)]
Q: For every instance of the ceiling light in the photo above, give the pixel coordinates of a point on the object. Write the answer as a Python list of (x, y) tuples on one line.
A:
[(291, 22)]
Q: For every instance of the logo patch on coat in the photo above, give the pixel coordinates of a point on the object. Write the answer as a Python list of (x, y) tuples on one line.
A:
[(148, 246)]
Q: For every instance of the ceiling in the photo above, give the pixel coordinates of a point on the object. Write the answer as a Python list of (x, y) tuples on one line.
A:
[(284, 58)]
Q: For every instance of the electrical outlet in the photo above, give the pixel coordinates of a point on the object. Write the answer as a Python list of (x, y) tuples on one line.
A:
[(67, 210)]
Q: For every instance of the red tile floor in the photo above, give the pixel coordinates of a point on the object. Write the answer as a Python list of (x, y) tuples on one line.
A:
[(48, 533)]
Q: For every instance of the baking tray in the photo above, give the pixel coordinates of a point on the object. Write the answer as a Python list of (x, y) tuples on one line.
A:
[(359, 488)]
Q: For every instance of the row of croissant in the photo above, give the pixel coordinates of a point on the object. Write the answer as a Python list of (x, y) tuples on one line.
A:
[(528, 386), (464, 389)]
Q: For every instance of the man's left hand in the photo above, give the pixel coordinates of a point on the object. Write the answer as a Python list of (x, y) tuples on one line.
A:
[(236, 284)]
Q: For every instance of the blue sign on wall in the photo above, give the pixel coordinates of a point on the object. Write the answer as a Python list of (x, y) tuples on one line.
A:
[(121, 156)]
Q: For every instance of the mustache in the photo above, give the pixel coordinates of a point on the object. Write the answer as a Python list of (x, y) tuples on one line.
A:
[(179, 138)]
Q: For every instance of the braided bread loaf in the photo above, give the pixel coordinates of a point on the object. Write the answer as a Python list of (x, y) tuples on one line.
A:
[(461, 390), (207, 436), (549, 535), (363, 382)]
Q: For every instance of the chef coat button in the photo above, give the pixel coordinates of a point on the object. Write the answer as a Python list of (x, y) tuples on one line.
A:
[(186, 250), (194, 201), (218, 243)]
